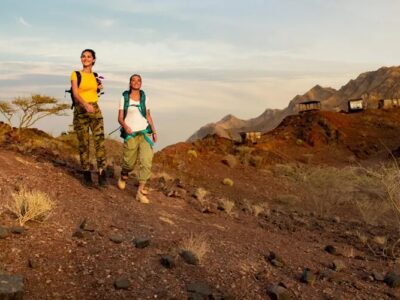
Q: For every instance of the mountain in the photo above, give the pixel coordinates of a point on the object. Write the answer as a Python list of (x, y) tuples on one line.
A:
[(230, 126), (371, 86)]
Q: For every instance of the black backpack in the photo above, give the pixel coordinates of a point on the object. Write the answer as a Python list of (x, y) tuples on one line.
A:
[(79, 78)]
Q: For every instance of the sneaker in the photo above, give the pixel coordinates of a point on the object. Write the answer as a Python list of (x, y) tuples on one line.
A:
[(145, 191), (87, 179), (103, 178), (121, 183), (142, 198)]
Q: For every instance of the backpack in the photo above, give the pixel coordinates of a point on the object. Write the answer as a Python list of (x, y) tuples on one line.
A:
[(79, 79), (141, 107)]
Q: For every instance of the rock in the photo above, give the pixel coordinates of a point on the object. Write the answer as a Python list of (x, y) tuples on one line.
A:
[(17, 229), (308, 277), (32, 263), (276, 263), (141, 242), (392, 279), (122, 283), (4, 233), (190, 257), (331, 249), (378, 276), (199, 290), (78, 234), (116, 238), (87, 226), (11, 287), (338, 265), (275, 260), (230, 160), (167, 261), (277, 292)]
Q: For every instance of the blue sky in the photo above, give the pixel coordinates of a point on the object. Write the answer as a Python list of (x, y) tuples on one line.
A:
[(200, 60)]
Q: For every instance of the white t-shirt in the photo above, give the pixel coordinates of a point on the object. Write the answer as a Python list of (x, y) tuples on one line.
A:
[(134, 119)]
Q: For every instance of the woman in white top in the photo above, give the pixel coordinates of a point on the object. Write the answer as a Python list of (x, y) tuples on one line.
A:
[(139, 135)]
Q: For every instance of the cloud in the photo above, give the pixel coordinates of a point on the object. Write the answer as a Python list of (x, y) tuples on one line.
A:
[(23, 22)]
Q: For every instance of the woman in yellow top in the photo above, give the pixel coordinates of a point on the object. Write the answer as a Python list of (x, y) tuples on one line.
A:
[(87, 115)]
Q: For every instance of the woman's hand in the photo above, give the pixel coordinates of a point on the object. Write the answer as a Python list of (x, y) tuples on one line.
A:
[(100, 86), (128, 130), (89, 108), (155, 137)]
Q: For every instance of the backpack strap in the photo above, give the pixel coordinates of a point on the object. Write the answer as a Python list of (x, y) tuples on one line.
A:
[(78, 77)]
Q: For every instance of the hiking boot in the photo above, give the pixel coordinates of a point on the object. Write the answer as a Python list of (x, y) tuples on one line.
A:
[(122, 182), (87, 179), (142, 198), (102, 178)]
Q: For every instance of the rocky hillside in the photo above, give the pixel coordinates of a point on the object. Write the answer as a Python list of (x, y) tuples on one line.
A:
[(372, 86), (288, 218)]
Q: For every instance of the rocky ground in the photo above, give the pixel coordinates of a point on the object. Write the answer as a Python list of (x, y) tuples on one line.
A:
[(261, 237)]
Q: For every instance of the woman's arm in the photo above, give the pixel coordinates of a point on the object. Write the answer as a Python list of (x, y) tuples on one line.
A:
[(87, 106), (121, 122), (151, 123)]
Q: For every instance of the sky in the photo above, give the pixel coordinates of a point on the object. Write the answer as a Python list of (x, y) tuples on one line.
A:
[(199, 60)]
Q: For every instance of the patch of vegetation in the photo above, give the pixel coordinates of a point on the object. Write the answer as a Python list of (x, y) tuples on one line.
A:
[(198, 245), (31, 206)]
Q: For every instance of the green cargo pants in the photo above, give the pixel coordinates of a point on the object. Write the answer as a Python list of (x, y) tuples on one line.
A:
[(134, 147), (84, 121)]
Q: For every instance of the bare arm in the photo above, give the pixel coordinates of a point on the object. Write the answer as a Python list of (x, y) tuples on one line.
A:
[(87, 106), (151, 123)]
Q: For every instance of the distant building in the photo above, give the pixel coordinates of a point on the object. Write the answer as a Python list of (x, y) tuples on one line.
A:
[(308, 106), (355, 105), (388, 103), (252, 136)]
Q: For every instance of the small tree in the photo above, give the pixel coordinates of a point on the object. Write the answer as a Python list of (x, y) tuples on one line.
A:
[(37, 107), (7, 111)]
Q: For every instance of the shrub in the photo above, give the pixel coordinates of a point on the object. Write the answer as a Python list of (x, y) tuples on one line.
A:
[(197, 245), (256, 161), (31, 205), (227, 181), (192, 153), (227, 205)]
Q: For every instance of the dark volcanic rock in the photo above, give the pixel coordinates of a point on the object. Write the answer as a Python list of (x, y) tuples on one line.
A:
[(277, 292), (167, 261), (331, 249), (392, 279), (141, 242), (116, 238), (11, 287), (308, 276), (190, 257), (87, 226), (275, 260), (78, 234), (17, 229), (122, 283), (4, 232), (200, 290)]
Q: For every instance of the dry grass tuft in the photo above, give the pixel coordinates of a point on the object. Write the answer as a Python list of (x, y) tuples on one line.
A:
[(31, 206), (198, 245), (228, 182), (227, 205), (192, 153)]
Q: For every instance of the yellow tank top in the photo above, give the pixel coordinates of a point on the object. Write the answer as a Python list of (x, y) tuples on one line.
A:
[(88, 86)]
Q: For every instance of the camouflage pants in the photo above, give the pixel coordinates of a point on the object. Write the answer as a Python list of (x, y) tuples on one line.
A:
[(84, 121)]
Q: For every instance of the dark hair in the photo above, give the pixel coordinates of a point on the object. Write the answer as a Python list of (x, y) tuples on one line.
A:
[(134, 75), (91, 51), (130, 79)]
